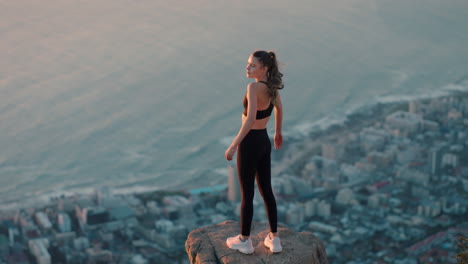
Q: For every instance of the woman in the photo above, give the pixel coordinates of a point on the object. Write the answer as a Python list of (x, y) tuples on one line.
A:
[(253, 158)]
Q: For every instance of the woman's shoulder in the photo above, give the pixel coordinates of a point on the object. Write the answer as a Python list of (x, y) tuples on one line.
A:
[(255, 86)]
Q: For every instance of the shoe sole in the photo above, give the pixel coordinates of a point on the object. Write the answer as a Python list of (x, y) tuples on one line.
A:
[(247, 253), (242, 251), (272, 250)]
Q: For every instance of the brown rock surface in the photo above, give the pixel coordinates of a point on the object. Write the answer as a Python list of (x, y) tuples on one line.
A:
[(207, 245)]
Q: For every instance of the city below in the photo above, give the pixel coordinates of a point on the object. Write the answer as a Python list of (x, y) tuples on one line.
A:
[(389, 185)]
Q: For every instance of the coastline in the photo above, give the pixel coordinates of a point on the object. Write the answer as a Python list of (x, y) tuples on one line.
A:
[(286, 159), (361, 116)]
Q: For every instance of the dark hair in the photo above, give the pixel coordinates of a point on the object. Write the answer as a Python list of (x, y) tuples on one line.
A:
[(274, 76)]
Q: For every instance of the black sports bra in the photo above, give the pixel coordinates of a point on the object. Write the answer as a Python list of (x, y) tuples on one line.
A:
[(260, 113)]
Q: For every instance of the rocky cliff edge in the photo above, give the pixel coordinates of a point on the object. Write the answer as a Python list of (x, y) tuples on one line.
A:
[(207, 245)]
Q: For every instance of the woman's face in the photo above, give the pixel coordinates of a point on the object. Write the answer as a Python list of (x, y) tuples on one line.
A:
[(254, 68)]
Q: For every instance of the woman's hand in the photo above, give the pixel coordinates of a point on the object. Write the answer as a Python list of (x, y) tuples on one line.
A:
[(278, 138), (230, 152)]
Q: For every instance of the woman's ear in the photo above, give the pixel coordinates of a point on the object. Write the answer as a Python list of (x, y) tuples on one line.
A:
[(265, 69)]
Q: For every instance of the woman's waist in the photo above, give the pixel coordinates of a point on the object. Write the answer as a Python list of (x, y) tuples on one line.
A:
[(258, 130), (257, 134), (258, 124)]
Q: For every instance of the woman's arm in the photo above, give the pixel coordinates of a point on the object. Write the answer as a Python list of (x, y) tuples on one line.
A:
[(248, 122), (278, 138)]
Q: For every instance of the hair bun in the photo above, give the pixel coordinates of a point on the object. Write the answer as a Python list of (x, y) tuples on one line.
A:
[(272, 54)]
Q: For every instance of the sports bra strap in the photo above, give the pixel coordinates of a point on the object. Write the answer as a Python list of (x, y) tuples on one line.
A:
[(260, 113)]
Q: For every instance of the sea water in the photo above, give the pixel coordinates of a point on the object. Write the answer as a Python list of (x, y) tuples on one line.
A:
[(142, 95)]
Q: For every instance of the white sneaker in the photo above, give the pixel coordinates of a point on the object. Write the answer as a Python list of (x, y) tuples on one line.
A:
[(236, 243), (273, 244)]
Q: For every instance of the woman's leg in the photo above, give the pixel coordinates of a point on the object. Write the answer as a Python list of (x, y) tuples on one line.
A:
[(264, 185), (246, 171)]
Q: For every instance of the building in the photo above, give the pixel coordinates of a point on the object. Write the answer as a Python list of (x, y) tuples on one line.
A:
[(4, 247), (380, 159), (321, 227), (324, 209), (63, 222), (28, 229), (96, 255), (413, 176), (373, 138), (430, 209), (333, 150), (153, 207), (365, 167), (403, 123), (183, 206), (103, 193), (316, 207), (38, 248), (350, 173), (282, 186), (409, 152), (10, 231), (330, 173), (164, 226), (24, 220), (454, 205), (295, 215), (345, 197), (310, 207), (435, 158), (163, 239), (414, 107), (428, 125), (65, 238), (18, 258), (81, 243), (43, 221), (373, 201), (449, 159), (465, 184), (96, 215), (234, 192)]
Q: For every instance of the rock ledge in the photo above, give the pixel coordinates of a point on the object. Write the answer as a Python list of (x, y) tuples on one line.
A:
[(207, 245)]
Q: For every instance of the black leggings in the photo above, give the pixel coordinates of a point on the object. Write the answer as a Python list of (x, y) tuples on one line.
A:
[(253, 159)]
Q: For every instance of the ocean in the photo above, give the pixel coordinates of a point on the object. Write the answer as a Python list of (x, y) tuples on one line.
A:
[(143, 95)]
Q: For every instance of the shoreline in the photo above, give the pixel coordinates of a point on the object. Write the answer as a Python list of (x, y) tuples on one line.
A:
[(358, 117)]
